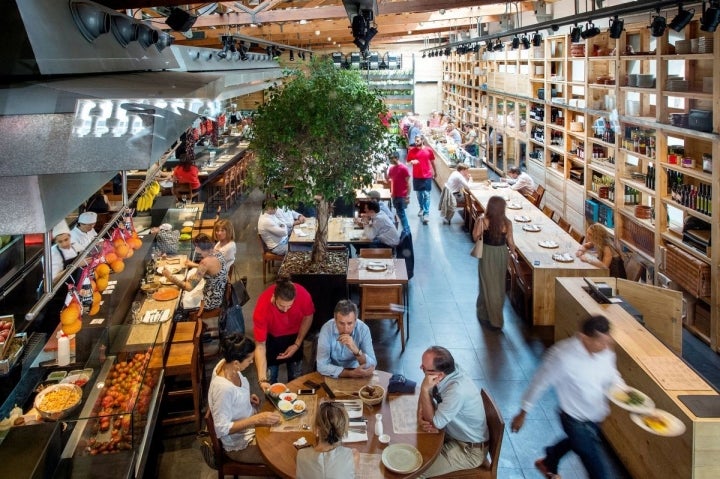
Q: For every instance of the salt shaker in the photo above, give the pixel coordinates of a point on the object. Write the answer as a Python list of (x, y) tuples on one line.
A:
[(378, 425)]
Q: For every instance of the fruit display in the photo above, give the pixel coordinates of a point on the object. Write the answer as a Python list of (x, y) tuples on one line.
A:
[(145, 201), (71, 318), (6, 330), (122, 406)]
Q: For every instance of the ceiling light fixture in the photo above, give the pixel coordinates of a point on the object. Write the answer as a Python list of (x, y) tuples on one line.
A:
[(537, 39), (658, 25), (575, 33), (515, 42), (710, 17), (616, 27), (164, 41), (90, 20), (682, 18), (525, 42), (590, 31)]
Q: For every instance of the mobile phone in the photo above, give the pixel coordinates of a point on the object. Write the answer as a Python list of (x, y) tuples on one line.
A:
[(305, 392)]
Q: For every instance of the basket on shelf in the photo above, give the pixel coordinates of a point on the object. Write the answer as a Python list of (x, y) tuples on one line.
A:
[(689, 272)]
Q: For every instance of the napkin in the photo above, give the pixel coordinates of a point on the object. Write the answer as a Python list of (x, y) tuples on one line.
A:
[(299, 232), (354, 407), (355, 436)]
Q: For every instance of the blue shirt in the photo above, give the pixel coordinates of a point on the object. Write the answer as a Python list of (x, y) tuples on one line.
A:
[(333, 357), (461, 412)]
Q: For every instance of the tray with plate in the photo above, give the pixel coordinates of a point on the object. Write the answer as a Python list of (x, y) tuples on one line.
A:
[(402, 458), (532, 228), (287, 408), (376, 266), (522, 219), (563, 258), (659, 422), (514, 206), (155, 316), (165, 294), (548, 244), (630, 399)]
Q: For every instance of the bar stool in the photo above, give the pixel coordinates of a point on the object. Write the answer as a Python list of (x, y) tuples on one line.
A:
[(183, 362)]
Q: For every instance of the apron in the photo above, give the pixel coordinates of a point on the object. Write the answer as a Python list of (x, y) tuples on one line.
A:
[(67, 262), (275, 345)]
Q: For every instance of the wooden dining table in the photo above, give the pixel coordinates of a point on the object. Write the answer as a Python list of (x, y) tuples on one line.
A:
[(549, 251), (276, 444), (341, 230)]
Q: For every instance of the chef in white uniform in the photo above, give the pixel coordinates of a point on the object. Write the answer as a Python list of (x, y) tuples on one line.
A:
[(84, 231)]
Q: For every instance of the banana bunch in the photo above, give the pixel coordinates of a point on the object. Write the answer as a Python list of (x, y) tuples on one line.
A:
[(145, 201)]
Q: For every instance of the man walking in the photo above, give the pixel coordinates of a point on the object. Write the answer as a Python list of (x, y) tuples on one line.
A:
[(422, 157), (581, 369), (399, 177)]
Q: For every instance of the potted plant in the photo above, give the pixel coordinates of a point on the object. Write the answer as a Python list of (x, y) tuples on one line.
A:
[(317, 139)]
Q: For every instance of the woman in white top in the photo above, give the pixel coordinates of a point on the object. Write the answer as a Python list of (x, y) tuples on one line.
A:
[(329, 459), (224, 234), (232, 406)]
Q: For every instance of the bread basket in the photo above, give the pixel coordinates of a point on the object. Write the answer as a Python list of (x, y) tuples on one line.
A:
[(372, 395)]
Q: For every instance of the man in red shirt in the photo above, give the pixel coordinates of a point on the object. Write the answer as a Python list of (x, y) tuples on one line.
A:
[(399, 177), (281, 320), (422, 157)]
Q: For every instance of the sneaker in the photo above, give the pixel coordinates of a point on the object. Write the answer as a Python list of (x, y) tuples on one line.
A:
[(425, 220), (420, 213), (540, 466)]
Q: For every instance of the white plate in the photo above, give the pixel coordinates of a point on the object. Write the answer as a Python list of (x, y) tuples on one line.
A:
[(376, 266), (499, 184), (284, 406), (299, 406), (563, 258), (188, 223), (548, 244), (675, 426), (618, 395), (166, 184), (288, 396), (402, 458), (171, 268), (532, 228), (522, 219), (79, 379), (514, 206)]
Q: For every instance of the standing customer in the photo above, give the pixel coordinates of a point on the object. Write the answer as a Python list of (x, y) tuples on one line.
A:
[(399, 177), (422, 157), (344, 348), (329, 459), (282, 318), (497, 234), (581, 369), (224, 234), (232, 406), (606, 256), (450, 400)]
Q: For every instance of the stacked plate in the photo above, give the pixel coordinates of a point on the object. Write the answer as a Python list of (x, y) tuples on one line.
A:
[(705, 45), (632, 79), (676, 83), (682, 47), (646, 81)]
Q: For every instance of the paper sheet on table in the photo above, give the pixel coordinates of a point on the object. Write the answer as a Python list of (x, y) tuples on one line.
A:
[(403, 412), (369, 467), (299, 232), (355, 436), (296, 423)]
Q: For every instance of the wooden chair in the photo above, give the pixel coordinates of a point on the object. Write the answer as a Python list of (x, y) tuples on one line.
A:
[(184, 189), (548, 211), (268, 258), (376, 253), (577, 235), (183, 361), (225, 465), (221, 192), (521, 287), (563, 224), (536, 197), (467, 207), (383, 301), (496, 430)]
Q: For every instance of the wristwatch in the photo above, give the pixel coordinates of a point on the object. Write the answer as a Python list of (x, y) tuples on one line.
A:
[(358, 354)]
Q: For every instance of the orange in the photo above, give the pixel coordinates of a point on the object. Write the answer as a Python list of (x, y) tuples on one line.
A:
[(130, 253), (68, 316), (110, 258), (118, 266), (72, 328), (135, 242), (97, 297), (102, 283), (93, 285), (103, 270), (122, 250), (95, 308), (118, 241)]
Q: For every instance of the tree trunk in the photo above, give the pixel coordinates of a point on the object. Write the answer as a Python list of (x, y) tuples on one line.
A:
[(319, 250)]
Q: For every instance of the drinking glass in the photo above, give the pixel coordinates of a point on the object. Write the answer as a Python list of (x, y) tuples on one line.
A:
[(135, 311), (184, 200)]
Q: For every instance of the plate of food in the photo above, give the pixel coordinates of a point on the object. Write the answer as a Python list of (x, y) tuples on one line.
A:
[(630, 399), (56, 402), (185, 237), (78, 379), (402, 458), (659, 422), (514, 206), (299, 406), (376, 266), (532, 228), (522, 219), (548, 244), (165, 294), (173, 269), (563, 258)]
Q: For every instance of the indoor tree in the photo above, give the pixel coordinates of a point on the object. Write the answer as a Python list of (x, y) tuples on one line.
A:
[(318, 138)]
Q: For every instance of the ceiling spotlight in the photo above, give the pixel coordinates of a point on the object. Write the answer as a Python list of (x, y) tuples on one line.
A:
[(525, 42), (590, 31), (515, 42), (423, 55), (89, 19), (575, 33), (616, 27), (537, 39), (657, 26), (682, 18), (498, 45), (292, 56), (710, 17), (147, 35), (164, 41)]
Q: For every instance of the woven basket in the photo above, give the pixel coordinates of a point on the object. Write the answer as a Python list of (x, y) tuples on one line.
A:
[(689, 272), (371, 401)]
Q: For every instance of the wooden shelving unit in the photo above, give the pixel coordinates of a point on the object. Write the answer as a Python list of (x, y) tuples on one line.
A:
[(612, 129)]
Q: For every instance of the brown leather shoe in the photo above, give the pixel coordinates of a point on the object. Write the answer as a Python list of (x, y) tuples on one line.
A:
[(540, 466)]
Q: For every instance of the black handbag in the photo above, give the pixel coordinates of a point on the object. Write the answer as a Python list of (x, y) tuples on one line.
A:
[(232, 320)]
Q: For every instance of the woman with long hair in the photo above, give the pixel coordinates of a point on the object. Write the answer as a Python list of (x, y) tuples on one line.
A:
[(329, 459), (224, 234), (497, 234), (606, 255), (233, 407)]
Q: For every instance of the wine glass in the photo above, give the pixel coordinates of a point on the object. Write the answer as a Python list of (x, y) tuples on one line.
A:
[(184, 200), (135, 311)]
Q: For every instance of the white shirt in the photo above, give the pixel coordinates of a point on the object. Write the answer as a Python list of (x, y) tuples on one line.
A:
[(272, 230), (58, 265), (80, 239), (456, 182), (229, 403), (287, 216), (523, 183), (228, 252), (580, 379)]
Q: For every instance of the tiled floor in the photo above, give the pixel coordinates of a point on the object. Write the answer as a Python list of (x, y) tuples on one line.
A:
[(442, 305)]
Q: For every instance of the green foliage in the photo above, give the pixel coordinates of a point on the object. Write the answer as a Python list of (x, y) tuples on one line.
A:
[(320, 132)]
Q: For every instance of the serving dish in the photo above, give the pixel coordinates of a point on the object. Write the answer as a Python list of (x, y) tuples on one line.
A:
[(630, 399), (563, 258), (659, 422), (376, 266), (522, 219), (56, 402)]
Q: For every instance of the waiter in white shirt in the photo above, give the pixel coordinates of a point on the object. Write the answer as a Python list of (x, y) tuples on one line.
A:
[(84, 231), (581, 369)]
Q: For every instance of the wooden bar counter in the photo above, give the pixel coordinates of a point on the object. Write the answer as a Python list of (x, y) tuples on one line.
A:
[(647, 364)]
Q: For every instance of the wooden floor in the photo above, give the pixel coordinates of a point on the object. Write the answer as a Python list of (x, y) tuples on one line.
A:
[(442, 302)]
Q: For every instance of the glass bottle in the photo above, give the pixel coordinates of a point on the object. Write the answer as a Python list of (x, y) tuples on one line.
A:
[(378, 424)]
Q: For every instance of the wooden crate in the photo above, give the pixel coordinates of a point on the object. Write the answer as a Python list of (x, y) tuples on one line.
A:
[(689, 272)]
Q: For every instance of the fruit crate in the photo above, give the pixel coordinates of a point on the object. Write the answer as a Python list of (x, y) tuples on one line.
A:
[(7, 333), (689, 272)]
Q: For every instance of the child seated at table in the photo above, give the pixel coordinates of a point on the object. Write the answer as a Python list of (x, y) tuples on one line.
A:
[(329, 459)]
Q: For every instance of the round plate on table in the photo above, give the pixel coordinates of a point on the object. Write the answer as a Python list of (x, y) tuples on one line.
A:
[(522, 219), (165, 294), (514, 206), (659, 422), (532, 228), (548, 244), (563, 258), (166, 184), (630, 399), (402, 458), (376, 266)]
